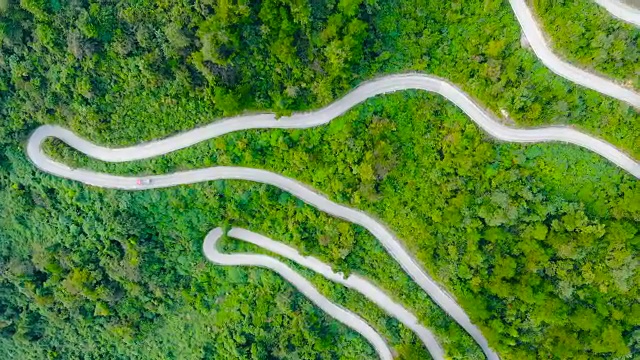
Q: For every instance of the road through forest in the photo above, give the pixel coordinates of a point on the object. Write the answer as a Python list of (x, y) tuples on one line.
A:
[(355, 282), (382, 85), (536, 38), (621, 11), (312, 197)]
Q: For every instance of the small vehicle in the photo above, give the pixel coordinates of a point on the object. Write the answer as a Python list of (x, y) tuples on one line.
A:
[(143, 181)]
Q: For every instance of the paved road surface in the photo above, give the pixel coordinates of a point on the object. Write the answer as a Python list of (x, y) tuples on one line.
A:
[(310, 196), (303, 285), (535, 37), (621, 10), (354, 282), (304, 120), (367, 90)]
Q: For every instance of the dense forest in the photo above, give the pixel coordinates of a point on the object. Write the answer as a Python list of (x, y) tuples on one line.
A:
[(539, 243), (586, 34), (529, 257), (108, 69)]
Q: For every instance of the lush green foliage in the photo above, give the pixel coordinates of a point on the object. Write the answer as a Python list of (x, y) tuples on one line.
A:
[(548, 270), (107, 70), (129, 281), (588, 35), (538, 242)]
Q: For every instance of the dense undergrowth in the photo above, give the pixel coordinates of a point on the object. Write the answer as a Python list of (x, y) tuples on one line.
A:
[(586, 34), (539, 243), (529, 257), (120, 73)]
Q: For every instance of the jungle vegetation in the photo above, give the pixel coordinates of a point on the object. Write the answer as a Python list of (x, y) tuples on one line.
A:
[(527, 255), (108, 69), (539, 243), (585, 33)]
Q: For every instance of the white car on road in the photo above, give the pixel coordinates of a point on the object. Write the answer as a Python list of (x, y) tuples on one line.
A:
[(143, 181)]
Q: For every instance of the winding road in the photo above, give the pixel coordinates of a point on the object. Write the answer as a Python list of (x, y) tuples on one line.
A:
[(533, 32), (354, 282), (621, 11), (386, 84), (310, 196), (303, 285), (365, 91)]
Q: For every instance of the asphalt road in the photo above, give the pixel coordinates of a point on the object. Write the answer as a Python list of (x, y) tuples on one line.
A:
[(622, 11)]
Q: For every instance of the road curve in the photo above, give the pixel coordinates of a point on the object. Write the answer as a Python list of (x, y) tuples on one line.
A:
[(304, 120), (536, 39), (303, 285), (354, 282), (621, 11), (382, 85)]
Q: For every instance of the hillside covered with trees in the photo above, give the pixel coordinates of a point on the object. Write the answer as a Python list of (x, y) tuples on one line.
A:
[(539, 243), (586, 34), (108, 69)]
